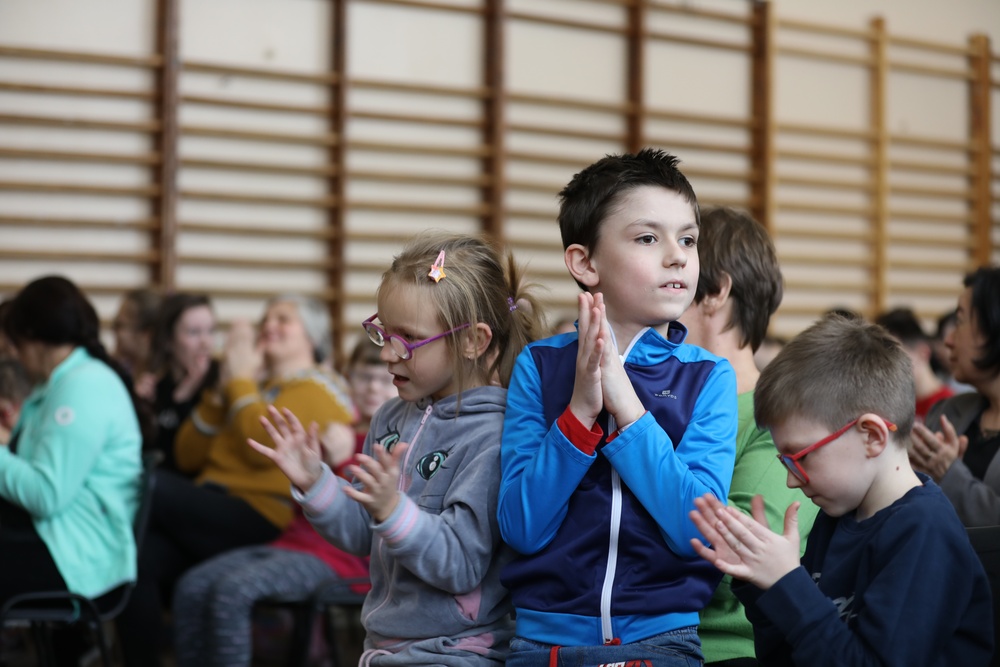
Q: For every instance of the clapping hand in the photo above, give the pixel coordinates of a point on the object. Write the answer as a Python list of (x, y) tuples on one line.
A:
[(933, 453), (379, 478), (745, 547), (297, 453)]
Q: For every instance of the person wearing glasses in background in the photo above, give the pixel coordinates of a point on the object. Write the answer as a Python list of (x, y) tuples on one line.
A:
[(888, 576)]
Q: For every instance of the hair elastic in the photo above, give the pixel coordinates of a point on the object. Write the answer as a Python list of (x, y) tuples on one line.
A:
[(437, 268), (511, 304)]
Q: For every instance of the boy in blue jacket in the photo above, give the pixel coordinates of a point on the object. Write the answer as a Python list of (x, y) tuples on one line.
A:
[(612, 431), (888, 577)]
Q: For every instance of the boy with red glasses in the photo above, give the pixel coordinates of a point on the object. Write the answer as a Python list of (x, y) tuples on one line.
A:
[(888, 576)]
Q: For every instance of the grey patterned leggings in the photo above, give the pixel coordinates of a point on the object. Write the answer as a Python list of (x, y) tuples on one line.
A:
[(213, 602)]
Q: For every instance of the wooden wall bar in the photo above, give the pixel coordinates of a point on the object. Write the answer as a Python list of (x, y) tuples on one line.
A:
[(865, 214)]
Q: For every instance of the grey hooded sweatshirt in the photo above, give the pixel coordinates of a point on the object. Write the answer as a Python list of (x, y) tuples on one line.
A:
[(436, 597)]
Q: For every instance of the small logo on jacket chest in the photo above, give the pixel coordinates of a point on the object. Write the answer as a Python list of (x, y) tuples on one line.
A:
[(665, 394)]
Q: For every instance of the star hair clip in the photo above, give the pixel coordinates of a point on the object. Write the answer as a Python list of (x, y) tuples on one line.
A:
[(437, 268)]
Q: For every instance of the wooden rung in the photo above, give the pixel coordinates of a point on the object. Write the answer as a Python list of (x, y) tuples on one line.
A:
[(824, 284), (700, 119), (899, 213), (257, 263), (825, 56), (201, 67), (707, 201), (533, 186), (241, 229), (928, 289), (815, 259), (147, 257), (823, 29), (535, 245), (81, 189), (75, 156), (816, 156), (424, 179), (532, 214), (923, 142), (911, 238), (324, 171), (426, 149), (928, 45), (930, 168), (926, 70), (828, 234), (569, 103), (255, 135), (246, 198), (151, 62), (115, 93), (423, 89), (432, 209), (613, 137), (424, 4), (799, 181), (80, 123), (565, 23), (253, 294), (842, 133), (250, 105), (803, 207), (936, 193), (541, 158), (687, 145), (675, 38), (960, 266), (145, 224), (415, 118), (722, 175), (688, 10)]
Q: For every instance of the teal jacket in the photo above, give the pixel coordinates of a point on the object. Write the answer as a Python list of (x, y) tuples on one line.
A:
[(77, 471)]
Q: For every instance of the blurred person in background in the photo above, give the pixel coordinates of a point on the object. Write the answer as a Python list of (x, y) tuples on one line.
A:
[(902, 324)]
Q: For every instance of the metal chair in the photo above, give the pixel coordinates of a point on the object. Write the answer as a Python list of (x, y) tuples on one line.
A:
[(42, 610), (332, 594)]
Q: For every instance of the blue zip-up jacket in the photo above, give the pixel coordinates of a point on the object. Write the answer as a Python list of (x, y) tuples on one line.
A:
[(604, 538)]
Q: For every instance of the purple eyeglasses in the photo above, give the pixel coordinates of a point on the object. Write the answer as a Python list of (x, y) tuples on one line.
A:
[(402, 348)]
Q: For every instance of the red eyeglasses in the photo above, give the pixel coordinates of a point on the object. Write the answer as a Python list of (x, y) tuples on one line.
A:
[(791, 461)]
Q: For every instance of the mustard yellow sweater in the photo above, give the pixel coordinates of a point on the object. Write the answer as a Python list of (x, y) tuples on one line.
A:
[(212, 443)]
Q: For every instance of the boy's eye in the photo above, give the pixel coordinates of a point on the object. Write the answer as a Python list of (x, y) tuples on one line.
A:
[(646, 239), (689, 242)]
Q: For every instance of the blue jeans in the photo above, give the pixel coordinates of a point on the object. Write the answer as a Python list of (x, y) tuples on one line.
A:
[(677, 648)]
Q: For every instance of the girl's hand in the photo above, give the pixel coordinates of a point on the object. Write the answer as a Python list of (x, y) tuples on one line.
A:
[(379, 477), (933, 453), (587, 400), (241, 357), (295, 452), (195, 370), (746, 548)]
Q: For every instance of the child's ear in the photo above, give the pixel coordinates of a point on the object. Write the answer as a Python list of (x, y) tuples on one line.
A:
[(580, 265), (713, 303), (478, 341), (875, 434)]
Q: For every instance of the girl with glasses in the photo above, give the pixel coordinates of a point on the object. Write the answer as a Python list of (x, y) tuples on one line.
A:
[(452, 317)]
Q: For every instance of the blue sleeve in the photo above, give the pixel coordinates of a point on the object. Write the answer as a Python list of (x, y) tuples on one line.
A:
[(907, 607), (540, 467), (667, 479)]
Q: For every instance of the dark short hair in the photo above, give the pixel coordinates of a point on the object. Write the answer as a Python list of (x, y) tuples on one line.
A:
[(733, 243), (593, 193), (904, 325), (51, 310), (985, 306), (834, 371), (172, 309), (365, 353)]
